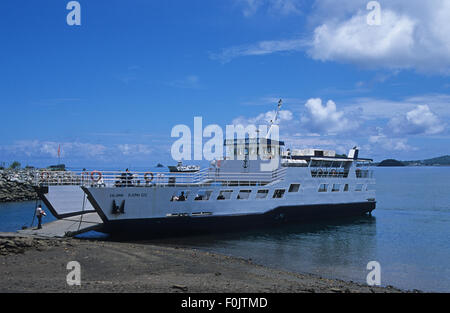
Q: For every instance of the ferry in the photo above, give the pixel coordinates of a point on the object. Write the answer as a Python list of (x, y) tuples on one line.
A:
[(305, 184), (259, 183)]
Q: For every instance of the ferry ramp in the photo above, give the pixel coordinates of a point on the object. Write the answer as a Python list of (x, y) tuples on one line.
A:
[(66, 227)]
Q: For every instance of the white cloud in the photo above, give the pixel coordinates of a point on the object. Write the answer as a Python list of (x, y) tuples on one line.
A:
[(325, 118), (260, 48), (373, 108), (39, 149), (413, 35), (264, 118), (418, 121), (134, 149), (391, 144), (390, 44)]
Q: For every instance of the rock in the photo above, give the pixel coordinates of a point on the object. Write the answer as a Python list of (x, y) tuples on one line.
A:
[(181, 287), (16, 185), (337, 290)]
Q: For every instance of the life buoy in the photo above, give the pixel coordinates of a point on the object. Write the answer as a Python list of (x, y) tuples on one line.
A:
[(45, 175), (99, 176), (147, 178)]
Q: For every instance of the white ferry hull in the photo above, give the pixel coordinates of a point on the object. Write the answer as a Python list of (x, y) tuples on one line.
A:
[(148, 210), (142, 227)]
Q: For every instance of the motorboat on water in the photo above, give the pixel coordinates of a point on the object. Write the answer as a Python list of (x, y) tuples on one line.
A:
[(180, 168)]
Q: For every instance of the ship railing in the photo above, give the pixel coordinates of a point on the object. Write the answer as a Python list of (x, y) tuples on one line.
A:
[(329, 172), (142, 179), (113, 178), (246, 179), (339, 173)]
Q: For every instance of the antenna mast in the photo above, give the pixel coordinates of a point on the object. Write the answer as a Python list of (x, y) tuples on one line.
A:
[(272, 122)]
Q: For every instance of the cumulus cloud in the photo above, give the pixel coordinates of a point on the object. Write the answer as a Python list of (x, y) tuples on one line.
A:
[(418, 121), (412, 35), (326, 118), (390, 44)]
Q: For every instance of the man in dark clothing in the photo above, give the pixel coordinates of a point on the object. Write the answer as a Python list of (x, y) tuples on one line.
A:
[(182, 197)]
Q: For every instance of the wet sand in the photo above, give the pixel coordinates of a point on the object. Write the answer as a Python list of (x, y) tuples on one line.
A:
[(30, 264)]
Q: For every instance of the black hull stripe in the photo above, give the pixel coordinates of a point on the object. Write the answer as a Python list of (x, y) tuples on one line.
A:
[(277, 216)]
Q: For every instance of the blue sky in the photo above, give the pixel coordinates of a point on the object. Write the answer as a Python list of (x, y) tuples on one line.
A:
[(110, 90)]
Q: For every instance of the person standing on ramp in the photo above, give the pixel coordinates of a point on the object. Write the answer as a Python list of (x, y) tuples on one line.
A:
[(39, 213)]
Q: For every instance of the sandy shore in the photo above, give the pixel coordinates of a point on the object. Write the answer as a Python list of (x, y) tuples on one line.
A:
[(39, 265)]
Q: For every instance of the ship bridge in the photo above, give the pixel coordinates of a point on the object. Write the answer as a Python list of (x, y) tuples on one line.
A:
[(252, 148)]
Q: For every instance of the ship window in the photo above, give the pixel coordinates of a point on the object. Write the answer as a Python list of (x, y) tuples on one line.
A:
[(279, 193), (244, 194), (262, 194), (323, 188), (294, 187), (359, 187), (203, 195), (225, 195), (336, 187), (180, 196), (346, 187)]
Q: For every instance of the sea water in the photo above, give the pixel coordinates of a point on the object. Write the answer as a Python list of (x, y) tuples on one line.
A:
[(408, 235)]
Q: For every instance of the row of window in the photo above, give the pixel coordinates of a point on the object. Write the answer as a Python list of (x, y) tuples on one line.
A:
[(337, 187), (204, 195)]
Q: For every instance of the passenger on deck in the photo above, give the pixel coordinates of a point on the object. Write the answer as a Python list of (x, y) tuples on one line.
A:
[(182, 197)]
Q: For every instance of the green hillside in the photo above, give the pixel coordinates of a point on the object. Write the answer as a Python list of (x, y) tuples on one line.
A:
[(439, 161)]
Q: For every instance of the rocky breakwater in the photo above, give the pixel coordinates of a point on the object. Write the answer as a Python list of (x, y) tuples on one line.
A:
[(16, 185)]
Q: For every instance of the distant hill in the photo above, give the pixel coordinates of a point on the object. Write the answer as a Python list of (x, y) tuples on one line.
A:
[(440, 161), (391, 162)]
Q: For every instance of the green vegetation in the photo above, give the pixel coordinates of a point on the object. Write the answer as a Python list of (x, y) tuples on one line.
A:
[(391, 162), (439, 161), (15, 165), (58, 167)]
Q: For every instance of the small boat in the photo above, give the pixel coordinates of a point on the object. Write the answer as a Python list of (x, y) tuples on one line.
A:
[(183, 168)]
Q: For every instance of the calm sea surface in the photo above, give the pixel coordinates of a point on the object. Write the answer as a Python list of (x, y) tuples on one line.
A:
[(408, 234)]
